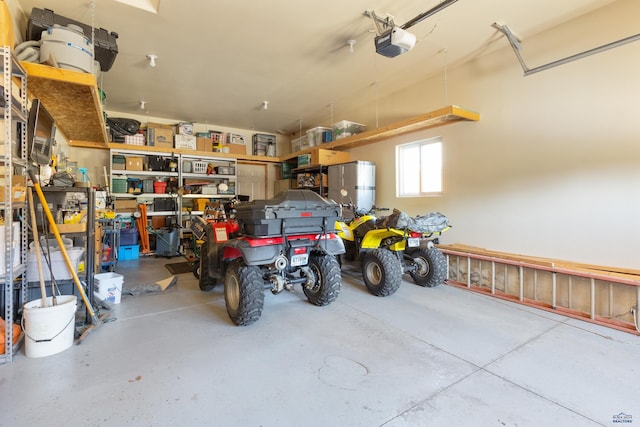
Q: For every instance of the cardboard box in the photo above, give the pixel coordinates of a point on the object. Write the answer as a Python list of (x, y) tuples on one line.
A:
[(126, 205), (234, 148), (135, 163), (72, 228), (159, 135), (18, 188), (184, 128), (328, 157), (204, 144), (184, 142)]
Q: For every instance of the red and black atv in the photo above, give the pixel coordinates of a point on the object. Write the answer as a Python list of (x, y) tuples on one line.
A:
[(288, 240)]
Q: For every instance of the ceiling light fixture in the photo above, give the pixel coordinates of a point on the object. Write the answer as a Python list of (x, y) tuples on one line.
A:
[(152, 60), (265, 105), (143, 104), (351, 43)]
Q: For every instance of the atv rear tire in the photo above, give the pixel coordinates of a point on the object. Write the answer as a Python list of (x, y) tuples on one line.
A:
[(328, 279), (381, 271), (243, 293), (431, 267), (201, 271)]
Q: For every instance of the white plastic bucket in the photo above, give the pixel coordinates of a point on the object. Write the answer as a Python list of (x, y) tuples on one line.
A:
[(49, 330), (108, 286)]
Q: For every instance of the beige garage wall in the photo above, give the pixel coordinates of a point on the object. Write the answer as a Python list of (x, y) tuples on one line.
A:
[(553, 167)]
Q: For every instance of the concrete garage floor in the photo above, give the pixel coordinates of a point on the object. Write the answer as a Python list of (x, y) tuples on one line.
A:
[(422, 357)]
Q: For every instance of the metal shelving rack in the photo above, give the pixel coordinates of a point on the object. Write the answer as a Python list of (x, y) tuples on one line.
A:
[(14, 107), (142, 174), (56, 196), (214, 177), (110, 236)]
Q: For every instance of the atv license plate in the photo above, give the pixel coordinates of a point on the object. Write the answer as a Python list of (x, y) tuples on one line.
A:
[(298, 260), (413, 242)]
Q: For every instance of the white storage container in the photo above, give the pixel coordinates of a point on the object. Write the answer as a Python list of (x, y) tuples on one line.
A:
[(210, 189), (184, 142), (108, 286), (296, 145), (345, 128), (319, 135), (58, 266)]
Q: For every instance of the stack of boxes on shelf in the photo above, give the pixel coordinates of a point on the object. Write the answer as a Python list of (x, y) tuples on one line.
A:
[(183, 136)]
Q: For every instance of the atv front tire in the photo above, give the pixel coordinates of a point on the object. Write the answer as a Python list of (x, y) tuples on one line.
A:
[(431, 267), (243, 293), (381, 271), (328, 279)]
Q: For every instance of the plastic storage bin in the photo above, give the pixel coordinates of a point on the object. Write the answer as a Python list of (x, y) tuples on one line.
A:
[(126, 253), (159, 187), (345, 128), (119, 185), (128, 236), (199, 167), (319, 135), (58, 265), (299, 144)]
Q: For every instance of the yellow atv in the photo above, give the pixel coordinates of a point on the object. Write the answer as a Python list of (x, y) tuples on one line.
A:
[(388, 248)]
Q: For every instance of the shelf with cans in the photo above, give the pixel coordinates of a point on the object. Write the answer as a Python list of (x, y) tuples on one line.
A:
[(170, 185)]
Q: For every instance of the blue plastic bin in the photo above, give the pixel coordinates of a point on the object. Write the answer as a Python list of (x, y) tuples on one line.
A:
[(128, 252), (128, 236)]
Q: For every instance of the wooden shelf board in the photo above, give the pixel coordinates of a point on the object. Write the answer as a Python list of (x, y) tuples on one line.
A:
[(443, 116), (72, 99), (440, 117)]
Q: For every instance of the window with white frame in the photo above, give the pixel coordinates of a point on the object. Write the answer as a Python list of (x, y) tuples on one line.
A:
[(419, 168)]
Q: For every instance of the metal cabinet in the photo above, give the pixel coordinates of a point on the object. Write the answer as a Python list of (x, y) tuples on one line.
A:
[(358, 179)]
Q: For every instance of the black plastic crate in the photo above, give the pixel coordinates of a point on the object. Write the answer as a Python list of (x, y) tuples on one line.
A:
[(297, 211), (104, 46), (164, 204)]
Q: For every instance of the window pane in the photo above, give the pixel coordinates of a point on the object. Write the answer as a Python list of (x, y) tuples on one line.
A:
[(431, 167), (419, 168), (410, 170)]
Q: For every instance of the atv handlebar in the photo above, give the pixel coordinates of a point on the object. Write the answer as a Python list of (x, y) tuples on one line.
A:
[(361, 212)]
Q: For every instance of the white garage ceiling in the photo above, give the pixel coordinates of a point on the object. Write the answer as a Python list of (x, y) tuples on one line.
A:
[(217, 61)]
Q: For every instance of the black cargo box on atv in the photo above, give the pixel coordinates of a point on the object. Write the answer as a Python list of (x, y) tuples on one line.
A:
[(298, 211)]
